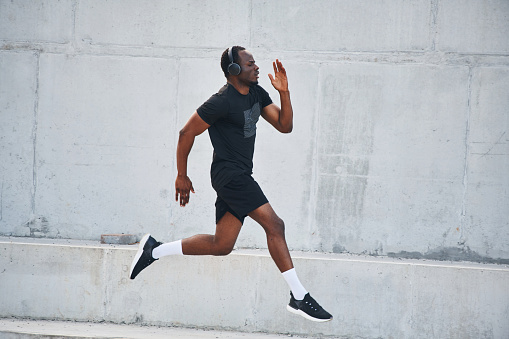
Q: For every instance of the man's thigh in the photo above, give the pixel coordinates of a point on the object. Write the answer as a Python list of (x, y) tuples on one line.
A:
[(265, 216), (228, 229)]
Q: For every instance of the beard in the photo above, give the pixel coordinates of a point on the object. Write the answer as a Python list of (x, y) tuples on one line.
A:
[(249, 80)]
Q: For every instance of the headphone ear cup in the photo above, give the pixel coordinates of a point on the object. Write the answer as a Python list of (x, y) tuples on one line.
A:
[(234, 69)]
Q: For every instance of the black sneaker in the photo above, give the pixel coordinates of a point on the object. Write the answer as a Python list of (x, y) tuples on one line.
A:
[(308, 308), (143, 257)]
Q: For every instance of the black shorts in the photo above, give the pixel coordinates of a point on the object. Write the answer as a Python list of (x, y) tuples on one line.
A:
[(239, 196)]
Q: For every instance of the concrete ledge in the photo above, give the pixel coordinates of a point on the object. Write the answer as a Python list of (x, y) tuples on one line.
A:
[(370, 297), (44, 329)]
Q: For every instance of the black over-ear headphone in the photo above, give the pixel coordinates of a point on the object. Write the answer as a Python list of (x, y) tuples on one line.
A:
[(233, 68)]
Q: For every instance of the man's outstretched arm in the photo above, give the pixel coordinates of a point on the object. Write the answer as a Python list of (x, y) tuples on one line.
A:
[(280, 118), (183, 185)]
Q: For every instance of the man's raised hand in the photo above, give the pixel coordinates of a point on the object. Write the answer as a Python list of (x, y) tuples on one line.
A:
[(279, 80)]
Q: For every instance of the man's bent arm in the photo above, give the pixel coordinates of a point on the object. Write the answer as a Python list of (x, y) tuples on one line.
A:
[(286, 113), (280, 118), (183, 185)]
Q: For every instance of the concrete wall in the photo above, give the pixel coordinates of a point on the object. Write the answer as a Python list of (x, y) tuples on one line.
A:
[(368, 297), (400, 145)]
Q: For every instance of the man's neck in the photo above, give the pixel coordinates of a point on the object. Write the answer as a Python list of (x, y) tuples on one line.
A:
[(240, 87)]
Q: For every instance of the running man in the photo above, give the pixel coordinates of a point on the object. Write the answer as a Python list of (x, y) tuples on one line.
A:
[(230, 116)]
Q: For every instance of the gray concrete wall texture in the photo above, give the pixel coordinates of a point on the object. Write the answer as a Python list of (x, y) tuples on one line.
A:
[(400, 145), (370, 297)]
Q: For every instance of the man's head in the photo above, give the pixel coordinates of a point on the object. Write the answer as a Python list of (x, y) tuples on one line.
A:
[(249, 70)]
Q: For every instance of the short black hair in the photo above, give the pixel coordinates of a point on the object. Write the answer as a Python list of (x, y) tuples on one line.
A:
[(225, 60)]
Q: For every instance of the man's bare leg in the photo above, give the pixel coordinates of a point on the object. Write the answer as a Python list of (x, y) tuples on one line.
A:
[(221, 243), (275, 230), (301, 302)]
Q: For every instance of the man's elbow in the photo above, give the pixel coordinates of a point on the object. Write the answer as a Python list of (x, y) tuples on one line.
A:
[(286, 129), (182, 133), (185, 133)]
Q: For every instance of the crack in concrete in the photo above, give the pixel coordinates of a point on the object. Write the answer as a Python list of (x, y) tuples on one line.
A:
[(34, 132), (1, 200), (493, 145), (434, 24), (467, 148)]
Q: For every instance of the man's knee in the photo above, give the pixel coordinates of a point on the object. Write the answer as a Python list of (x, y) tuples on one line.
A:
[(222, 251), (276, 227), (268, 219), (281, 226)]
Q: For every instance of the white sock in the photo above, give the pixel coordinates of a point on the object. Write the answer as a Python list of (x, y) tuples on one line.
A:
[(171, 248), (293, 281)]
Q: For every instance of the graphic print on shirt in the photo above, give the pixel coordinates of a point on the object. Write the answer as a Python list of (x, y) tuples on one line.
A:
[(251, 117)]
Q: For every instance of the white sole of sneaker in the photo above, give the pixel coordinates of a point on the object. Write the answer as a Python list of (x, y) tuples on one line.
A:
[(305, 315), (139, 253)]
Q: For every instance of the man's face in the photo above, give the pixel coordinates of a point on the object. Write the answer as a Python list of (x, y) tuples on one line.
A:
[(249, 73)]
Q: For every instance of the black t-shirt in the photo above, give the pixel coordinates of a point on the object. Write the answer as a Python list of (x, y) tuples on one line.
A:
[(232, 118)]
